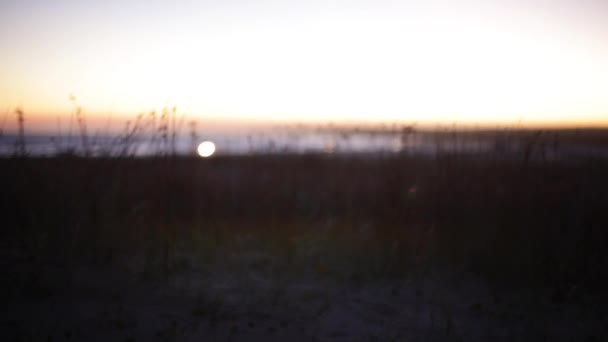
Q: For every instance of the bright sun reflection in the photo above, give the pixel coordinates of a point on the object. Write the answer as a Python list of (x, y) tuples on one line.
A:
[(206, 149)]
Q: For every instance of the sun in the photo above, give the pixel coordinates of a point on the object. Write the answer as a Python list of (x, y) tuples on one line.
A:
[(206, 149)]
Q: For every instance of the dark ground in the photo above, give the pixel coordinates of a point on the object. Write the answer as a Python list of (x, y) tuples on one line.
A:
[(305, 248)]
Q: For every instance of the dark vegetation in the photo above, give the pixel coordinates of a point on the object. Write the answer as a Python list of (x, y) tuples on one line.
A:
[(539, 224), (523, 217)]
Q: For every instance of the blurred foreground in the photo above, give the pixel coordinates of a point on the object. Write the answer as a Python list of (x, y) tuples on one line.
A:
[(391, 247)]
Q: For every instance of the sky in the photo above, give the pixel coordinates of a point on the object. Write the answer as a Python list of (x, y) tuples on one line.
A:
[(237, 61)]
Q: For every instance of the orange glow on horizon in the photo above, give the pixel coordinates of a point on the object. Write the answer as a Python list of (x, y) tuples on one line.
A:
[(468, 64)]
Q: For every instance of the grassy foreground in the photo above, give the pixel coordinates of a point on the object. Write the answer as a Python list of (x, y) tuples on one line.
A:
[(305, 247)]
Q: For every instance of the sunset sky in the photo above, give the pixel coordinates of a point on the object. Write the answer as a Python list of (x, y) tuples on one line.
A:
[(482, 62)]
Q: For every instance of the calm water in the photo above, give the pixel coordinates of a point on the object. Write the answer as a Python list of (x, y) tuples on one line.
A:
[(290, 142), (229, 144)]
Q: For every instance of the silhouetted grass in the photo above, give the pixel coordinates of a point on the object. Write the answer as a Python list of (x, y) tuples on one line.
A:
[(538, 225)]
